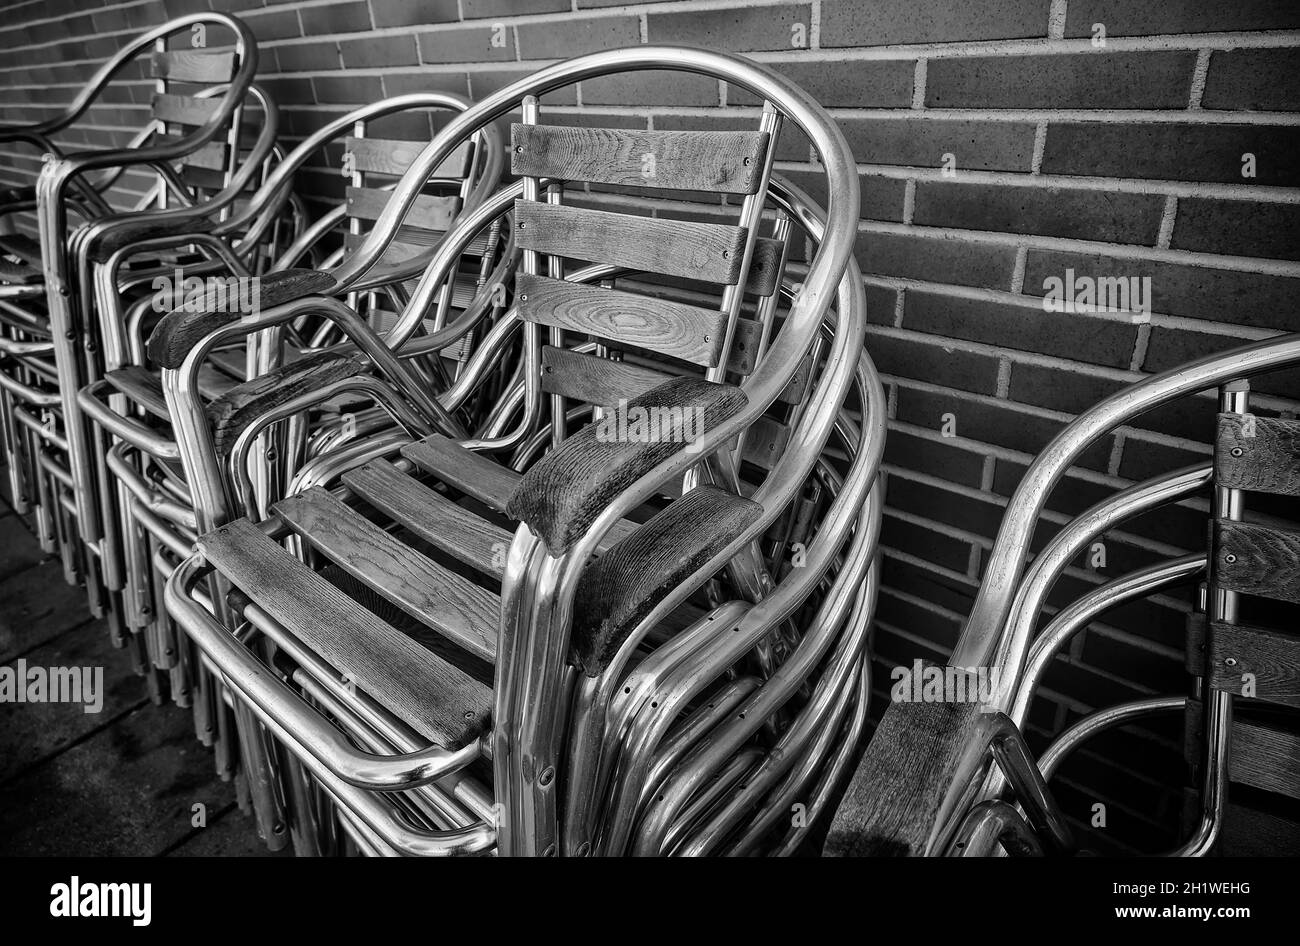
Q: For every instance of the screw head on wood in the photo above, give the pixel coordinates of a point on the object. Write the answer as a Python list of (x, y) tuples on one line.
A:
[(1230, 662), (1237, 451), (1229, 558)]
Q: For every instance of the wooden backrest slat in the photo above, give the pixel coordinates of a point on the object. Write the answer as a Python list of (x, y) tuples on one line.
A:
[(764, 266), (595, 380), (671, 328), (1265, 664), (184, 109), (724, 162), (194, 65), (708, 252), (1258, 453), (1257, 560), (211, 156), (426, 213), (404, 248), (393, 156), (207, 178), (765, 442)]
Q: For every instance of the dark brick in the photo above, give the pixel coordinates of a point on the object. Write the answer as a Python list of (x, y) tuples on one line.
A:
[(937, 457), (1004, 424), (881, 302), (1050, 211), (467, 44), (956, 595), (575, 36), (348, 89), (337, 18), (1093, 339), (975, 515), (932, 545), (379, 51), (1173, 152), (922, 142), (1238, 228), (741, 30), (1059, 388), (1176, 289), (881, 197), (941, 629), (1261, 79), (646, 88), (415, 12), (1146, 79), (474, 9), (276, 24), (872, 83), (884, 22), (1071, 496), (1123, 18), (484, 82), (1143, 458), (934, 260), (307, 57), (923, 358), (400, 83)]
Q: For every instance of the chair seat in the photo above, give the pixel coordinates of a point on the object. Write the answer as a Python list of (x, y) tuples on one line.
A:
[(423, 560), (20, 274)]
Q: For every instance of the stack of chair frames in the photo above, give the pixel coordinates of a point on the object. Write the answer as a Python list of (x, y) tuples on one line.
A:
[(48, 348), (956, 778), (137, 485), (558, 631)]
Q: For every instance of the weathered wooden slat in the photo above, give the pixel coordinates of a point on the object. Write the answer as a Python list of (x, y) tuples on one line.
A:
[(593, 379), (765, 442), (393, 156), (1258, 453), (1255, 662), (426, 213), (1247, 831), (441, 702), (471, 473), (204, 178), (211, 156), (725, 162), (450, 604), (1264, 756), (477, 476), (1257, 560), (432, 516), (193, 65), (709, 252), (399, 251), (902, 786), (797, 389), (184, 109), (142, 387), (670, 328), (764, 266)]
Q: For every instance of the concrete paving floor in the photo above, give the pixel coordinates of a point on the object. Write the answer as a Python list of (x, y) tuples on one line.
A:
[(123, 781)]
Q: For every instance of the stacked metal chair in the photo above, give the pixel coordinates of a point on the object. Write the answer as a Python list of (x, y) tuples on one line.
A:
[(193, 145), (956, 778), (146, 502), (526, 622)]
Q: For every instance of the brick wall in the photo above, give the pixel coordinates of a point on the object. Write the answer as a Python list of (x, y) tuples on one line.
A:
[(999, 144)]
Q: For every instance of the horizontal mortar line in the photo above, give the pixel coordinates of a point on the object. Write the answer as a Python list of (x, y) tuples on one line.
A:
[(1108, 116), (1129, 639), (943, 528), (1129, 251), (910, 637), (925, 605), (959, 577), (58, 19), (1021, 47), (949, 343), (1118, 185)]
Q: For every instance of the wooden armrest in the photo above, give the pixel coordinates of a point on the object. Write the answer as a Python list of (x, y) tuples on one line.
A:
[(120, 235), (621, 587), (236, 409), (179, 330), (564, 492), (903, 789)]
